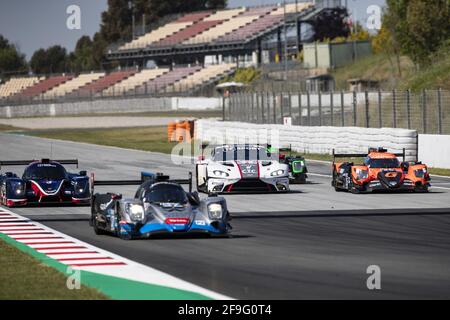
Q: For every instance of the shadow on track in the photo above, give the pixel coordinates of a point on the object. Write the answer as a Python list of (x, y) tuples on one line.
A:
[(341, 213)]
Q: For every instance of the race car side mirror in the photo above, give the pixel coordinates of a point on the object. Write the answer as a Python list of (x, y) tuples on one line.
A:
[(83, 173), (405, 166)]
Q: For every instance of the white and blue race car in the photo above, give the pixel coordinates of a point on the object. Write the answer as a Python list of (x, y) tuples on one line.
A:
[(240, 169)]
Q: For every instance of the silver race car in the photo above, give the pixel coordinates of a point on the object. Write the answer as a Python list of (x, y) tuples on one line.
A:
[(241, 168), (160, 206)]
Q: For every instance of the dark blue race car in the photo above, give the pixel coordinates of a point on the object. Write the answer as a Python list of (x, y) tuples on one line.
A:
[(160, 206), (43, 181)]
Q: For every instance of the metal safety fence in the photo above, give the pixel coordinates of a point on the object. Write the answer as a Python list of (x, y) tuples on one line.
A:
[(427, 111)]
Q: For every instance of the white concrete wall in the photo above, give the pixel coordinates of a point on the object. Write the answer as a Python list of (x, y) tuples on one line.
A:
[(111, 106), (309, 139), (434, 150)]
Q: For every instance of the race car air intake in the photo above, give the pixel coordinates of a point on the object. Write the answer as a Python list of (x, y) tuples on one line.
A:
[(390, 179)]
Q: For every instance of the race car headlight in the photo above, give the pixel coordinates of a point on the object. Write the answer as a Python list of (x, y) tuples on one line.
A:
[(277, 173), (420, 173), (135, 211), (215, 211), (18, 188), (220, 173), (80, 186), (362, 174)]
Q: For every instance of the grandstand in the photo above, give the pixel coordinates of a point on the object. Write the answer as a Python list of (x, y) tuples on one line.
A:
[(228, 32), (15, 85), (131, 83), (72, 85), (203, 76), (188, 53), (43, 86)]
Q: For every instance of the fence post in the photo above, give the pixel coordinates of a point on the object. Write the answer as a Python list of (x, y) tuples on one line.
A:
[(308, 101), (262, 107), (355, 102), (394, 108), (320, 108), (366, 98), (282, 105), (290, 104), (299, 108), (274, 97), (440, 111), (380, 112), (256, 115), (408, 107), (424, 111), (223, 108), (342, 109), (332, 107)]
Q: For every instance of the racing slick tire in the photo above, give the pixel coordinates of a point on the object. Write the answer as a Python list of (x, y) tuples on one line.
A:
[(98, 231), (421, 189), (334, 183), (299, 179), (200, 188)]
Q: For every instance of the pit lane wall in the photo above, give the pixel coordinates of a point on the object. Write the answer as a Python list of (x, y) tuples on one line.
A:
[(321, 140), (434, 150), (111, 106)]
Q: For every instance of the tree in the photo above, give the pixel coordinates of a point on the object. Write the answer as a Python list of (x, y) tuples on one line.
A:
[(428, 23), (11, 60), (82, 59), (331, 24), (418, 27), (51, 60)]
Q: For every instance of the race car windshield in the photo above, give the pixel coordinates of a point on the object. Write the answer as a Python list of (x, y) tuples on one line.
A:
[(166, 193), (45, 172), (248, 154), (382, 163)]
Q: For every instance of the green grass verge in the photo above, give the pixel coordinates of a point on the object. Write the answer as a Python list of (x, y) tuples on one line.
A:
[(23, 277), (379, 67), (146, 138), (4, 127)]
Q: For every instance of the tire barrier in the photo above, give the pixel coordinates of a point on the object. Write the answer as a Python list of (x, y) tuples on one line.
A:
[(321, 140)]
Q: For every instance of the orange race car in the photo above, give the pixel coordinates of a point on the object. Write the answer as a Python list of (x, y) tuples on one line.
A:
[(381, 171)]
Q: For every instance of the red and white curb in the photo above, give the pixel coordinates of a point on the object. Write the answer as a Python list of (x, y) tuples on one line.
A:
[(81, 255)]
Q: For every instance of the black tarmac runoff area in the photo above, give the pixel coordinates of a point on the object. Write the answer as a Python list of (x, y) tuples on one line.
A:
[(312, 243)]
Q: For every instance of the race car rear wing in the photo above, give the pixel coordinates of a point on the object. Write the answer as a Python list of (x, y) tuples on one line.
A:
[(363, 155), (145, 176), (27, 162)]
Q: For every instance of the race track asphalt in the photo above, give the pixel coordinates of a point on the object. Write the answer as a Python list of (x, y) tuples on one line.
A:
[(312, 243)]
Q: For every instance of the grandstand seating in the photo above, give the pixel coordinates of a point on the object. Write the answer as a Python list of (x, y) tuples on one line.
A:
[(167, 79), (130, 84), (43, 86), (221, 26), (72, 85), (103, 83), (197, 29), (201, 77), (269, 16), (15, 85), (165, 31)]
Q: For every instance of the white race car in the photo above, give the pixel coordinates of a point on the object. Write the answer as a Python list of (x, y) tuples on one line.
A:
[(241, 168)]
